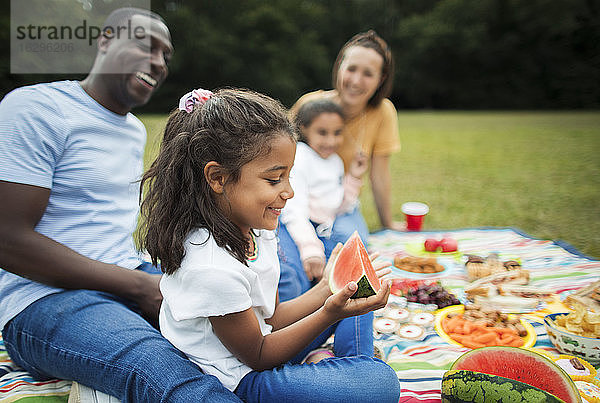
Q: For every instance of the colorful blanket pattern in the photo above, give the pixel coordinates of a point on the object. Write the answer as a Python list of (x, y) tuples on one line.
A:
[(421, 364), (17, 385)]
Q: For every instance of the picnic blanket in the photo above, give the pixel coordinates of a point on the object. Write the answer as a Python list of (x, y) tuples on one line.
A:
[(17, 385), (419, 364)]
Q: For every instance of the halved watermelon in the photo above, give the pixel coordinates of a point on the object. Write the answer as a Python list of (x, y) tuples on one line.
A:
[(470, 386), (523, 366), (353, 264)]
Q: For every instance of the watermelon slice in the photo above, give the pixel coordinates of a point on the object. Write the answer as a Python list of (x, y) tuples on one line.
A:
[(523, 366), (353, 264)]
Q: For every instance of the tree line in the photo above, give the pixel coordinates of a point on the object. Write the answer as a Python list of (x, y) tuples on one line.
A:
[(449, 54)]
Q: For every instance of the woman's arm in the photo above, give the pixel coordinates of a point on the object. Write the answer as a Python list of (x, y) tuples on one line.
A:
[(381, 185), (240, 332)]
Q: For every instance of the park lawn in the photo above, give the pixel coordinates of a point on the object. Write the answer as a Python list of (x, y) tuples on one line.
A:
[(536, 171)]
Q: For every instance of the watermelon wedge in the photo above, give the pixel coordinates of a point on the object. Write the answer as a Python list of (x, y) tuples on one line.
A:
[(520, 365), (353, 264)]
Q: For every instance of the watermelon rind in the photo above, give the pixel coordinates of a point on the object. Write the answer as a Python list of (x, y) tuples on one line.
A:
[(469, 386), (364, 290), (539, 371)]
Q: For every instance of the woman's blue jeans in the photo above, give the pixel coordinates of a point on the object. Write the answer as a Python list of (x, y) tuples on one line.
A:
[(354, 335), (101, 341)]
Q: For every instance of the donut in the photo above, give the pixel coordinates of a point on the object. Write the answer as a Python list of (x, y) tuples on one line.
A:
[(411, 332), (385, 325), (423, 318), (398, 314)]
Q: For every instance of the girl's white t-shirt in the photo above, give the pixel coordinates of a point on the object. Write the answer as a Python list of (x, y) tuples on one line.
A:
[(211, 282)]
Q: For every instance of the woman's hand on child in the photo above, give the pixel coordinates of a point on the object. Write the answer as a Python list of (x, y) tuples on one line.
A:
[(359, 165), (313, 267), (340, 305)]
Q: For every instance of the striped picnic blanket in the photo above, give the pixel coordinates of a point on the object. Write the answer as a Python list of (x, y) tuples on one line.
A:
[(17, 385), (421, 364)]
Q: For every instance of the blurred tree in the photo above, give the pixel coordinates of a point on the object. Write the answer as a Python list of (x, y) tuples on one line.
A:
[(511, 54), (500, 54)]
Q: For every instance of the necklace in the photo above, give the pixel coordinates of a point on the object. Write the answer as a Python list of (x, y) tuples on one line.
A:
[(253, 249)]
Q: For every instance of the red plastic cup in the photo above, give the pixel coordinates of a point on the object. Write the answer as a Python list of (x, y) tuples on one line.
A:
[(415, 215)]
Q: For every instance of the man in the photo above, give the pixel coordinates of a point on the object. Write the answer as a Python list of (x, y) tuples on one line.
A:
[(73, 291)]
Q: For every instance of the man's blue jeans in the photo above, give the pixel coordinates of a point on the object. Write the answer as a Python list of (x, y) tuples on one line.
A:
[(100, 341)]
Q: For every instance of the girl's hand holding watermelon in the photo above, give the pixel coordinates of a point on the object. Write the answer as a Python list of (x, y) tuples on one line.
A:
[(341, 303)]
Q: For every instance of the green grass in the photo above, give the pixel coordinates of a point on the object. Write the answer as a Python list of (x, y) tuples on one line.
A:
[(536, 171)]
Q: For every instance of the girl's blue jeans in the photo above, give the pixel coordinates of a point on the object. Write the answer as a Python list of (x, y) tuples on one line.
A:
[(352, 376), (101, 341), (357, 379)]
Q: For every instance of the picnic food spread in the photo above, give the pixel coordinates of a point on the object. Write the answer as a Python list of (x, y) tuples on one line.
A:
[(514, 284), (422, 354)]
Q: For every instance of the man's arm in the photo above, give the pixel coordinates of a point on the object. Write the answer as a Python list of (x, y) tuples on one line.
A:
[(27, 253)]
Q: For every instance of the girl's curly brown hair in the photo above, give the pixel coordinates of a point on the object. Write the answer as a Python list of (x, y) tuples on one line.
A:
[(232, 128)]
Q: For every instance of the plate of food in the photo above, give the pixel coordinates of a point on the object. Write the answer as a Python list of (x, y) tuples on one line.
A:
[(475, 327), (507, 291), (419, 265)]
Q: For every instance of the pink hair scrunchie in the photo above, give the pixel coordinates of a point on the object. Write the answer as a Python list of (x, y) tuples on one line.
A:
[(194, 97)]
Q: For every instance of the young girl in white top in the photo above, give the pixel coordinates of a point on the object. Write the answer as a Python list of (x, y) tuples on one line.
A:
[(322, 190), (214, 196)]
